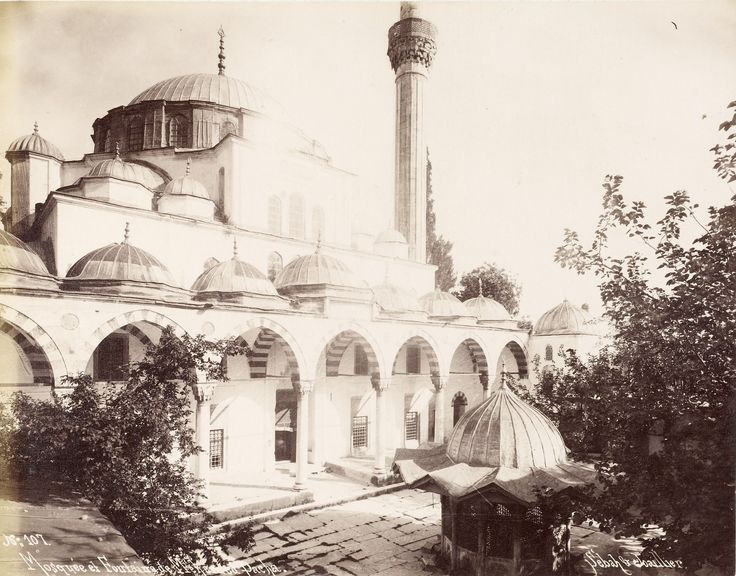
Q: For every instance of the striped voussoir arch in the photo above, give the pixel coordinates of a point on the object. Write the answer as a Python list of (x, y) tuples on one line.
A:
[(42, 370), (339, 344), (138, 334), (480, 363), (520, 358), (427, 350), (262, 348)]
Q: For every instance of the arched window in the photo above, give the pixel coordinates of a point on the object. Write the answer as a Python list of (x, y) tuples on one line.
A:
[(318, 223), (274, 215), (178, 132), (135, 134), (459, 404), (296, 217), (360, 364), (275, 265), (226, 128), (548, 352)]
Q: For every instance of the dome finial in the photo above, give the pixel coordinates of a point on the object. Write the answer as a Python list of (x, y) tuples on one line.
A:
[(235, 248), (189, 163), (221, 64), (126, 234), (319, 242), (480, 285), (504, 375), (35, 127), (117, 150)]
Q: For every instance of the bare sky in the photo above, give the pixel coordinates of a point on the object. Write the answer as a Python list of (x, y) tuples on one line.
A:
[(529, 106)]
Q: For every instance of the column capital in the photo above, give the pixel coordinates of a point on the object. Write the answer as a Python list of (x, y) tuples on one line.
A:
[(203, 391), (380, 384), (302, 387), (440, 381), (483, 377)]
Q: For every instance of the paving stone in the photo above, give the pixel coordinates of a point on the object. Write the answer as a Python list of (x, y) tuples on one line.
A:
[(391, 534), (419, 544), (303, 522), (382, 525), (327, 559), (354, 568), (410, 528), (334, 538), (364, 537), (279, 528), (298, 536)]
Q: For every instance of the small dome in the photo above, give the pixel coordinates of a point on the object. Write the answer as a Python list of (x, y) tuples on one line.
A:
[(390, 236), (120, 262), (17, 256), (505, 431), (484, 308), (128, 171), (439, 303), (393, 298), (564, 318), (214, 88), (317, 268), (233, 276), (36, 144), (186, 186)]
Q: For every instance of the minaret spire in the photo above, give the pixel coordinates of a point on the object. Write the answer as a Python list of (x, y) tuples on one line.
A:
[(221, 64), (35, 127), (126, 234)]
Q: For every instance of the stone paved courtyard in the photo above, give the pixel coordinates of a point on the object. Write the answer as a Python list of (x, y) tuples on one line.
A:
[(390, 535)]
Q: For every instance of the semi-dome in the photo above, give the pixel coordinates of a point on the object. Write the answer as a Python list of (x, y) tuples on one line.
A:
[(439, 303), (37, 144), (484, 308), (505, 431), (565, 318), (214, 88), (127, 171), (233, 276), (393, 298), (317, 268), (120, 262), (21, 266)]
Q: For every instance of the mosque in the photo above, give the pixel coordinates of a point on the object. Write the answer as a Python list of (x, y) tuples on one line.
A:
[(203, 208)]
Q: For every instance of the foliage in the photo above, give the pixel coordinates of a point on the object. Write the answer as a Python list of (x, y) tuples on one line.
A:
[(497, 284), (438, 248), (125, 447), (671, 369)]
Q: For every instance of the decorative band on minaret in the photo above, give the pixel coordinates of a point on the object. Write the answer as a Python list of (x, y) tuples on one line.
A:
[(411, 49)]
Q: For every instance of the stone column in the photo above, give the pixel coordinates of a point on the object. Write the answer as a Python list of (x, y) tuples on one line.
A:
[(203, 394), (411, 49), (302, 388), (483, 377), (380, 385), (440, 383)]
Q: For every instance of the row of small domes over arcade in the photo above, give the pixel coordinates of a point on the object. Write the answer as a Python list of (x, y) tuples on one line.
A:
[(124, 268)]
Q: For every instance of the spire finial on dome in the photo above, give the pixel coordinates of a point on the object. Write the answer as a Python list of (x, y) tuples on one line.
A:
[(189, 164), (480, 285), (126, 234), (221, 56), (235, 248), (35, 127), (117, 150), (319, 242)]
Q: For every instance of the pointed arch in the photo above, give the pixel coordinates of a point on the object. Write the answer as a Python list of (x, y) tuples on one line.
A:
[(338, 345), (426, 349), (520, 357)]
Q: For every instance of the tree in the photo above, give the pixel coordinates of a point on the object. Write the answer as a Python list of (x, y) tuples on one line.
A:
[(125, 447), (438, 248), (497, 284), (671, 369)]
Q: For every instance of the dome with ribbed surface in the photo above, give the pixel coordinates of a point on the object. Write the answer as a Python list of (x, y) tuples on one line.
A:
[(443, 304), (214, 88), (16, 255), (37, 144), (317, 268), (186, 186), (390, 236), (128, 171), (120, 262), (393, 298), (234, 276), (505, 431), (484, 308), (565, 318)]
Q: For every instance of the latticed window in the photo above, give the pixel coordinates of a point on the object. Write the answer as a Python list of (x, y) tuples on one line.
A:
[(533, 534), (467, 526), (499, 539), (360, 431), (411, 426), (360, 363), (413, 360), (548, 352), (296, 217), (274, 215), (135, 134), (178, 132), (216, 447), (275, 265)]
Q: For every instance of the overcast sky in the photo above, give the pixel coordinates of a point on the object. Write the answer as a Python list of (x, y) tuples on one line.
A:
[(529, 105)]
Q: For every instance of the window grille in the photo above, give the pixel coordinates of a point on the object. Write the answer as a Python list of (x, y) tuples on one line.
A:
[(411, 426), (548, 353), (499, 532), (360, 431), (178, 132), (216, 448), (135, 134)]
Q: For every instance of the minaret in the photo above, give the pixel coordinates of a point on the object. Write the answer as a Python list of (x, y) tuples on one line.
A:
[(411, 48)]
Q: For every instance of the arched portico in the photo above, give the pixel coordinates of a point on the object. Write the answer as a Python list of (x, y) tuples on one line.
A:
[(513, 360)]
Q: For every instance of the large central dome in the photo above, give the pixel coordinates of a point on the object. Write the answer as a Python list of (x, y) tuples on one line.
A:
[(214, 88)]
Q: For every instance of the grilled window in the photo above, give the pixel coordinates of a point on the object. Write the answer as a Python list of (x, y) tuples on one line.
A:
[(135, 134), (179, 132), (499, 532), (548, 353), (360, 431), (411, 426), (216, 448), (413, 360)]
